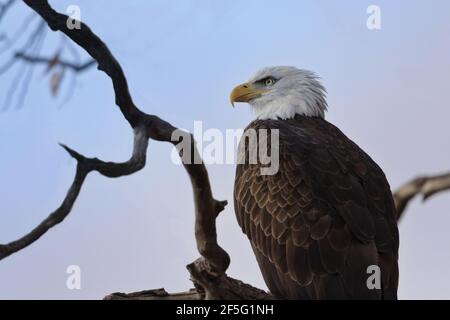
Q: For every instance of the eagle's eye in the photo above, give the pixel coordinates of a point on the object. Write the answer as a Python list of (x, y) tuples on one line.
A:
[(269, 82)]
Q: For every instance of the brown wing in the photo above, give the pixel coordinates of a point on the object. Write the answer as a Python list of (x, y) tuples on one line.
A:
[(322, 219)]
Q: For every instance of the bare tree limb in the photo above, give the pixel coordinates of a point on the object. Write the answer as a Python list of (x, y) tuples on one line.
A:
[(229, 289), (426, 186), (25, 73), (29, 43), (155, 294), (84, 167), (10, 40), (29, 74), (98, 50), (70, 65), (215, 260), (30, 58)]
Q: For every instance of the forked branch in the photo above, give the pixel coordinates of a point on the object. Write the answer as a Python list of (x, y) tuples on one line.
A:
[(84, 167), (215, 260)]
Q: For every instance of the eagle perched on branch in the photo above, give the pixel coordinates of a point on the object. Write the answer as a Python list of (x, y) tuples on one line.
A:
[(325, 222)]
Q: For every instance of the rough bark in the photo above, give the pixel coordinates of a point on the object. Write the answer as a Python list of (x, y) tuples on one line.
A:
[(426, 186), (215, 260), (222, 288)]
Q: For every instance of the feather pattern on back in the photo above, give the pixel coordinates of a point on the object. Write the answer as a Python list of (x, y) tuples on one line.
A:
[(322, 219)]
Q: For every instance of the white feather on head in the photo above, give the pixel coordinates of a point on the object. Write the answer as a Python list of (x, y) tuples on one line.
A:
[(295, 91)]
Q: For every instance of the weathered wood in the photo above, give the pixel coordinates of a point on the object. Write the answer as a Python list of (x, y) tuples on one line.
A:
[(223, 288), (215, 260), (426, 186)]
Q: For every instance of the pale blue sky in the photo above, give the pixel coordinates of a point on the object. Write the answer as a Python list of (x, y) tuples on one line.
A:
[(388, 90)]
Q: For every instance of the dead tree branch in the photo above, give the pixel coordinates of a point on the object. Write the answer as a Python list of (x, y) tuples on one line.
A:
[(84, 167), (230, 289), (28, 56), (156, 294), (208, 272), (426, 186), (66, 64)]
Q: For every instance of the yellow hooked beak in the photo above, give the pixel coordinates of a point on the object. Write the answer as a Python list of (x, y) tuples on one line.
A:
[(245, 92)]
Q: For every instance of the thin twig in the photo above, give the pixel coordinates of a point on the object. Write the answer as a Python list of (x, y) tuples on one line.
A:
[(45, 60), (5, 7), (10, 41), (29, 74), (31, 44)]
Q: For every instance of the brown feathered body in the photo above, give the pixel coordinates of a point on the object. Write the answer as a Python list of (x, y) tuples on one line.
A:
[(323, 219)]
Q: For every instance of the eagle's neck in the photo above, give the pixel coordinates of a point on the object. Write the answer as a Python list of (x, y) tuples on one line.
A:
[(309, 101), (285, 110)]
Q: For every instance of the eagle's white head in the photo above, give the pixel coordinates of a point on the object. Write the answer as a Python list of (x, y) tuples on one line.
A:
[(282, 92)]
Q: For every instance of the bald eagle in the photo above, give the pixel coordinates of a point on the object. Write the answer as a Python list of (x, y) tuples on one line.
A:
[(324, 225)]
